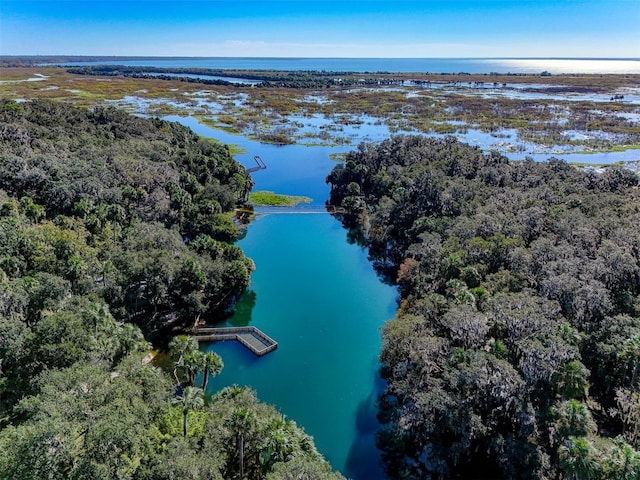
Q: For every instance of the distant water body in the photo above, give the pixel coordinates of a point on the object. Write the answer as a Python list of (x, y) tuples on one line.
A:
[(394, 65)]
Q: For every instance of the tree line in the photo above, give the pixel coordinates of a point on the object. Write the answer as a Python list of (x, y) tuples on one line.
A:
[(265, 78), (514, 351), (116, 230)]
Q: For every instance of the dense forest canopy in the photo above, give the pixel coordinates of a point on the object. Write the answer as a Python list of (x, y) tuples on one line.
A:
[(116, 229), (137, 210), (514, 352)]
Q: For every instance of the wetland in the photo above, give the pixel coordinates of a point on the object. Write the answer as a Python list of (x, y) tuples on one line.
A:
[(516, 114)]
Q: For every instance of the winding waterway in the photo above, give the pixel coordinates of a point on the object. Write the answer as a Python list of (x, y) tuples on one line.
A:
[(319, 297)]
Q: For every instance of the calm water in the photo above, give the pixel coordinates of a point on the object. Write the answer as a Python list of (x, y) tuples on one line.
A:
[(320, 299), (318, 296), (300, 170), (431, 65), (291, 169)]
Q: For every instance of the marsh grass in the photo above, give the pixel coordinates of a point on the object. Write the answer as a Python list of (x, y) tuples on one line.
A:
[(264, 198), (430, 103)]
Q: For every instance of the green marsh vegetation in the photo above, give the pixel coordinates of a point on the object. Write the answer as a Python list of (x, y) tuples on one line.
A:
[(426, 103), (265, 198)]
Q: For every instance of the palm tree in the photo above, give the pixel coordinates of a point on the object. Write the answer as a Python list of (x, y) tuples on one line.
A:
[(131, 339), (240, 423), (573, 419), (576, 459), (178, 348), (232, 391), (280, 443), (212, 366), (192, 398), (571, 380), (193, 363)]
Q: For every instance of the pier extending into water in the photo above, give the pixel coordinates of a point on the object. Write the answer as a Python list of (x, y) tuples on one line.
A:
[(251, 337), (298, 209), (260, 165)]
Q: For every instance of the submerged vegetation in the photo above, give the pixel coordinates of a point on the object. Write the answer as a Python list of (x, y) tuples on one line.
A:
[(115, 230), (513, 353)]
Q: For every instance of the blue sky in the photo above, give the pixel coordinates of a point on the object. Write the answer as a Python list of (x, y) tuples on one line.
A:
[(329, 28)]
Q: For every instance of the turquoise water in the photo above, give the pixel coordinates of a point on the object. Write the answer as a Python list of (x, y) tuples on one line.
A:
[(320, 299), (318, 296)]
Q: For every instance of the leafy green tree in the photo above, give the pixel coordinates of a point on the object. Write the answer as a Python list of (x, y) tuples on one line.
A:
[(629, 354), (86, 422), (628, 411), (303, 469), (622, 462), (14, 346), (181, 459)]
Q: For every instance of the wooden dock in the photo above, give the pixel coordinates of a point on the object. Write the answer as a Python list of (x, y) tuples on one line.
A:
[(251, 337)]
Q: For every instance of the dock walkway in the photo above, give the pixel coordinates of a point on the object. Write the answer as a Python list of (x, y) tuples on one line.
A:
[(251, 337)]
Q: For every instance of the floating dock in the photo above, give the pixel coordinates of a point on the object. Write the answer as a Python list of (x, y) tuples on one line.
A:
[(251, 337)]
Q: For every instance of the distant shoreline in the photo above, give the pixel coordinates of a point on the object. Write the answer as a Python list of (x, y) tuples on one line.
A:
[(436, 65), (186, 57)]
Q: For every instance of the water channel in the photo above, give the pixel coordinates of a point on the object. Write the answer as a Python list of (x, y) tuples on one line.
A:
[(318, 296), (320, 299)]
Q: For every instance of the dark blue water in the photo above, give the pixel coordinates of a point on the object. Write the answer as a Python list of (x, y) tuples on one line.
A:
[(422, 65), (291, 169)]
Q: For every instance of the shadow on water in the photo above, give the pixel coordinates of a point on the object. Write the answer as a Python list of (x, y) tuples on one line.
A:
[(243, 309), (364, 459), (228, 349), (387, 273), (355, 236)]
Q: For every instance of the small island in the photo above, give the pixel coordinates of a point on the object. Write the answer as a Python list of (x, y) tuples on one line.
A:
[(264, 198)]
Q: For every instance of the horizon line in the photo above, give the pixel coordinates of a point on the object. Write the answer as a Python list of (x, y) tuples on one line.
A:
[(320, 57)]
